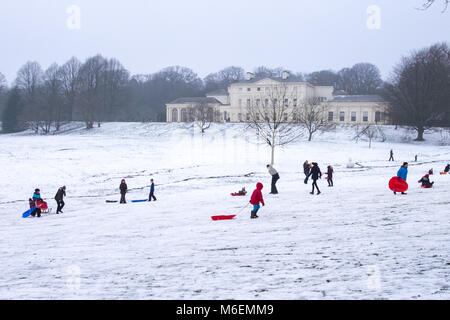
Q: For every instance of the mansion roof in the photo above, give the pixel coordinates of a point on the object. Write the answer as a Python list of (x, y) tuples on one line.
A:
[(195, 100), (358, 98)]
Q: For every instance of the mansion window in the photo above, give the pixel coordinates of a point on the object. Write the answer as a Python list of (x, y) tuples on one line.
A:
[(257, 117), (240, 117), (259, 89), (353, 116), (295, 102), (377, 116), (249, 89), (248, 116), (258, 102), (365, 116), (240, 102), (330, 116), (249, 102), (286, 102), (286, 117), (266, 103), (342, 116)]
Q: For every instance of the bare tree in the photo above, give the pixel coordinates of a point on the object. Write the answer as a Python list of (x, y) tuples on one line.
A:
[(312, 115), (203, 115), (273, 116), (370, 132), (3, 83), (90, 79), (52, 106), (29, 81), (69, 77), (115, 81), (419, 89), (429, 3)]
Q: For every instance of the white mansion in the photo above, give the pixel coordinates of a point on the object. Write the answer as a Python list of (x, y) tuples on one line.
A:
[(232, 105)]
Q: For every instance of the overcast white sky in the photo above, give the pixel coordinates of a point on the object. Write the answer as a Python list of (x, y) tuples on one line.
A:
[(208, 35)]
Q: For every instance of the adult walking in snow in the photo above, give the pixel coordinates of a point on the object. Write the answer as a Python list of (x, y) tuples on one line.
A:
[(391, 158), (402, 173), (447, 168), (59, 197), (330, 172), (256, 200), (123, 191), (306, 168), (275, 178), (315, 175), (152, 191)]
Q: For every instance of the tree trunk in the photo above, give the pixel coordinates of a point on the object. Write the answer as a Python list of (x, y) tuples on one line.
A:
[(272, 162), (310, 136), (420, 132)]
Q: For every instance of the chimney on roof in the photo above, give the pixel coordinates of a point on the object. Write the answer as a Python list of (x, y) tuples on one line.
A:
[(286, 75), (249, 76)]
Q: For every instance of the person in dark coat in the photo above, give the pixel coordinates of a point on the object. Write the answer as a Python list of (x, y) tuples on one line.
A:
[(426, 181), (392, 155), (123, 191), (315, 175), (431, 172), (306, 168), (59, 197), (447, 168), (275, 178), (330, 172), (152, 191)]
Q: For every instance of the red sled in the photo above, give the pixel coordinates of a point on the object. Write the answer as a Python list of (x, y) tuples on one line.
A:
[(427, 187), (443, 172), (397, 184), (238, 195), (220, 218)]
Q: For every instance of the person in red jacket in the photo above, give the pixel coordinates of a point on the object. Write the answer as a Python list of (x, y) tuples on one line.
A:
[(256, 199)]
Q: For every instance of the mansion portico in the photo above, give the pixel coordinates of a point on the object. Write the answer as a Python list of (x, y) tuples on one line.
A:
[(232, 105)]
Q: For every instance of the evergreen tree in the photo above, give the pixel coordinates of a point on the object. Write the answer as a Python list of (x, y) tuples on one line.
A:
[(12, 112)]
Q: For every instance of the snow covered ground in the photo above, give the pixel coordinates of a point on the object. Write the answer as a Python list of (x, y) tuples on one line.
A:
[(354, 241)]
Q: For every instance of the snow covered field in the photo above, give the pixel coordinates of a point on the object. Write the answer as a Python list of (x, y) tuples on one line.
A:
[(354, 241)]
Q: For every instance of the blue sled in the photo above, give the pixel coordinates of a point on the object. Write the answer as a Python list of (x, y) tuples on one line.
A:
[(27, 213), (136, 201)]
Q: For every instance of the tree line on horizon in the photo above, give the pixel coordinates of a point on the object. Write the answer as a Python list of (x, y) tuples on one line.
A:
[(103, 90)]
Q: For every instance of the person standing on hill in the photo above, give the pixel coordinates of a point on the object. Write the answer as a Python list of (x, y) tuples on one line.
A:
[(123, 191), (59, 197), (152, 191), (315, 175), (275, 178), (256, 199), (402, 173), (306, 168), (330, 172), (392, 156)]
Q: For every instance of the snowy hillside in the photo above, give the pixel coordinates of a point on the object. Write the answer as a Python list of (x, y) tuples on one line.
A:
[(354, 241)]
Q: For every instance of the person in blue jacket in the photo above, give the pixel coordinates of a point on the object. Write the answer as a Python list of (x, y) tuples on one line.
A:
[(403, 173), (152, 191)]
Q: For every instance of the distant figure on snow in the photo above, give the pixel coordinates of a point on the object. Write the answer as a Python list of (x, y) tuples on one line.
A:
[(431, 172), (403, 173), (123, 191), (256, 199), (330, 172), (391, 158), (275, 178), (315, 175), (447, 168), (152, 191), (415, 158), (32, 202), (59, 197), (426, 181), (306, 168)]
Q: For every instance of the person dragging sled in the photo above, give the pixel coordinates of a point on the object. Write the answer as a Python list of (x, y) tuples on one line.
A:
[(402, 173), (330, 172), (256, 199), (447, 168), (59, 197), (426, 183), (152, 191), (275, 178), (123, 191), (315, 175)]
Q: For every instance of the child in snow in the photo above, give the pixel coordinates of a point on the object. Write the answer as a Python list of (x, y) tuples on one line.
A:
[(152, 191), (430, 172), (426, 181), (330, 172), (256, 199), (315, 175), (37, 195), (403, 173), (242, 192), (306, 168), (32, 202), (123, 191)]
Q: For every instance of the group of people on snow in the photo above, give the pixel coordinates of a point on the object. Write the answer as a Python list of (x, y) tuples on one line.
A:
[(124, 189), (38, 204)]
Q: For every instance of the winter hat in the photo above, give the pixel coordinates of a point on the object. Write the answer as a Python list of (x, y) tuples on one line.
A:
[(259, 186), (405, 163), (37, 190)]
